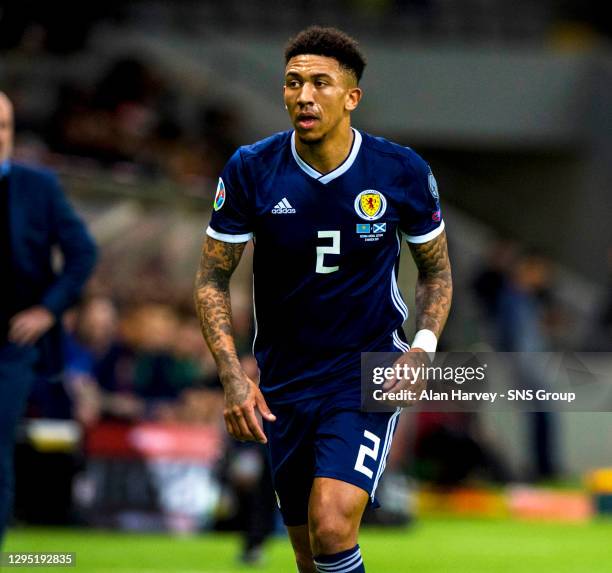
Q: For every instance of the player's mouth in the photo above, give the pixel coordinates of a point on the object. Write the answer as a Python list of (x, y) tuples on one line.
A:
[(306, 120)]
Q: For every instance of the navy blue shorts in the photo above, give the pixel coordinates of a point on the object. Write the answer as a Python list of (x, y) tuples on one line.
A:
[(320, 437)]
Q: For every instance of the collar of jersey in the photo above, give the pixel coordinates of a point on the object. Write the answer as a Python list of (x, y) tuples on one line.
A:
[(342, 168)]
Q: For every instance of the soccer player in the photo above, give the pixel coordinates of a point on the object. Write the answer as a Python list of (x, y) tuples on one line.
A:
[(326, 206)]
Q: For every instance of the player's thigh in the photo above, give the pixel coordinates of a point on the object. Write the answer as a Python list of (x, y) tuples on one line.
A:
[(335, 510)]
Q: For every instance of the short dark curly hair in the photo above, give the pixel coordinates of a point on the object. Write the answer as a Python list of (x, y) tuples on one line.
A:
[(330, 42)]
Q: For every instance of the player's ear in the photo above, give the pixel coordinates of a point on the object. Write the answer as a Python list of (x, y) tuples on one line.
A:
[(353, 97)]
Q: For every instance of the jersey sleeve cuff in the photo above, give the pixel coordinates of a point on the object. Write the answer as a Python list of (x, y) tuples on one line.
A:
[(418, 239), (227, 238)]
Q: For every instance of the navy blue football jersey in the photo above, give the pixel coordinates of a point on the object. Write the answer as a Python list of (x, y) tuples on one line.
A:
[(326, 255)]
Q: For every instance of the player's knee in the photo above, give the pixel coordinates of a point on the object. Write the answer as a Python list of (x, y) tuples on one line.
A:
[(330, 534)]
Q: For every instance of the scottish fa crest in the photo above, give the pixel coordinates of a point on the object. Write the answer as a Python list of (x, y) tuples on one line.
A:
[(370, 205)]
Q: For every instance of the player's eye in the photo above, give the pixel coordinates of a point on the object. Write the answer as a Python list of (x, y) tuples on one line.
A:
[(320, 83), (292, 84)]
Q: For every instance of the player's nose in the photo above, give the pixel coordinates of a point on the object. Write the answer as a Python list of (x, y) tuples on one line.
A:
[(306, 94)]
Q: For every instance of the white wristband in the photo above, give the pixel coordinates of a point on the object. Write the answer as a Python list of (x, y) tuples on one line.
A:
[(426, 340)]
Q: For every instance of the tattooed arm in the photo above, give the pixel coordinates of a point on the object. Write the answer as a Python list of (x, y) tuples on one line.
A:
[(242, 396), (434, 291), (434, 288)]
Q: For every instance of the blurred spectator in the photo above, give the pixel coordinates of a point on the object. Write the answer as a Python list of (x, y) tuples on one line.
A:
[(137, 371), (201, 399), (516, 295), (522, 305), (489, 283), (118, 120), (491, 279), (129, 121), (91, 337), (522, 327), (146, 364)]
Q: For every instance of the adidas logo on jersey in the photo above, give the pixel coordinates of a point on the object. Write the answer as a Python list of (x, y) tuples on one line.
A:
[(283, 207)]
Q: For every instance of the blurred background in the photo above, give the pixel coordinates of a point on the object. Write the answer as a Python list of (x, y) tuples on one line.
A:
[(137, 106)]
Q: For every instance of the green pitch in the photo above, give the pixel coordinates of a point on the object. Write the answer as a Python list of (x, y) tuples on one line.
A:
[(431, 546)]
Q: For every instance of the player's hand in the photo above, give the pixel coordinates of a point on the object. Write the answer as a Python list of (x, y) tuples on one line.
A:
[(242, 399), (27, 326), (415, 358)]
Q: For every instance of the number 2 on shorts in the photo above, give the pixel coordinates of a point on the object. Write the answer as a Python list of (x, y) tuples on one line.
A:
[(369, 452)]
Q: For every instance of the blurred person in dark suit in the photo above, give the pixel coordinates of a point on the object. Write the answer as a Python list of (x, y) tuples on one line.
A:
[(34, 217), (525, 304)]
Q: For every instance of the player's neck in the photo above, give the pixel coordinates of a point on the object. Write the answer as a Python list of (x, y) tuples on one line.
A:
[(330, 152)]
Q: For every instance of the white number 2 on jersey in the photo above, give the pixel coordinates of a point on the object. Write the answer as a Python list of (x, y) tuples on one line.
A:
[(369, 452), (333, 249)]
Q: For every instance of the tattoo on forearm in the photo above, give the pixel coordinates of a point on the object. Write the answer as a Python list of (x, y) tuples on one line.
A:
[(212, 300), (434, 288)]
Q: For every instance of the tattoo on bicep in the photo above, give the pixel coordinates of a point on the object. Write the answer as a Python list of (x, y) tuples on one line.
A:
[(218, 262), (212, 298), (434, 288)]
